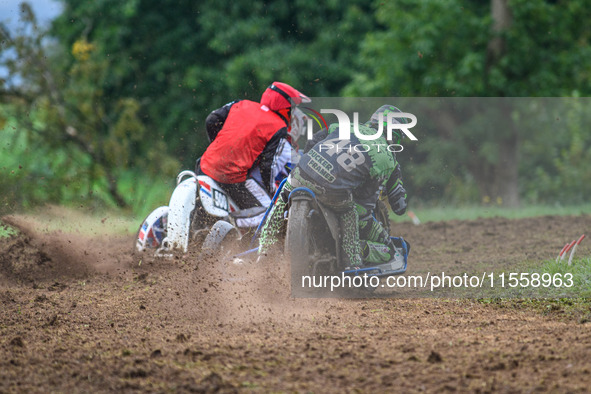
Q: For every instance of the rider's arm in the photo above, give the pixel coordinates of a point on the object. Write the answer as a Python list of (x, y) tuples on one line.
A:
[(216, 119), (267, 158), (283, 162), (396, 192)]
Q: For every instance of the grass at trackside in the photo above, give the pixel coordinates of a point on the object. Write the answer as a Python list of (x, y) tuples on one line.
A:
[(6, 231), (443, 213), (569, 309), (79, 221), (546, 279), (572, 303), (54, 218), (575, 301), (66, 219), (580, 269)]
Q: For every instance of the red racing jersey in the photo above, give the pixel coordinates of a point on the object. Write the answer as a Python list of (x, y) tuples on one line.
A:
[(250, 135)]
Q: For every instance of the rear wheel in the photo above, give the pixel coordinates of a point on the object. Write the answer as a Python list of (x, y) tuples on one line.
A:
[(309, 253), (201, 224), (221, 240)]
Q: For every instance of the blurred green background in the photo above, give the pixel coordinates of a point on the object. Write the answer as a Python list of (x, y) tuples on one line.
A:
[(105, 105)]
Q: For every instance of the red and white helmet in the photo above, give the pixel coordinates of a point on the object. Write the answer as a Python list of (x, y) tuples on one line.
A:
[(280, 96)]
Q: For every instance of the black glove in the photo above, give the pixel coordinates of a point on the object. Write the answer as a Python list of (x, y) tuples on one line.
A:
[(397, 199)]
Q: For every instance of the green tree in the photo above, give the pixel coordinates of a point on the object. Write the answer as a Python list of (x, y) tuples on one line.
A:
[(496, 49), (182, 59), (125, 82), (63, 112)]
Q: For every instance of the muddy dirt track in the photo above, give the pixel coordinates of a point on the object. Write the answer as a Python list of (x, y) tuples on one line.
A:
[(82, 314)]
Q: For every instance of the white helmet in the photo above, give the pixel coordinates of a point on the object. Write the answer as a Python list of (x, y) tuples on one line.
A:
[(299, 120)]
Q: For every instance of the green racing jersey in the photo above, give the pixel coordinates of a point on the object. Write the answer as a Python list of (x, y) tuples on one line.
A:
[(360, 166)]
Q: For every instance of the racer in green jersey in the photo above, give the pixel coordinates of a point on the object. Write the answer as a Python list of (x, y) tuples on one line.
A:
[(348, 177)]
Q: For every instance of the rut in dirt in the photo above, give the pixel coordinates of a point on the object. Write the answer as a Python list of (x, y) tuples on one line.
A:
[(33, 256)]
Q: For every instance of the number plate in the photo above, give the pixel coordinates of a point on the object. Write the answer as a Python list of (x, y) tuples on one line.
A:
[(220, 200)]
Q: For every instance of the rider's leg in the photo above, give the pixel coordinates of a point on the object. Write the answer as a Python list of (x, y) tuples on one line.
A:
[(249, 196), (375, 242), (273, 226), (349, 223)]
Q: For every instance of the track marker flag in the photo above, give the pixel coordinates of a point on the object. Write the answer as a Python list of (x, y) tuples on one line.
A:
[(572, 246), (566, 249), (570, 258), (559, 257), (414, 218)]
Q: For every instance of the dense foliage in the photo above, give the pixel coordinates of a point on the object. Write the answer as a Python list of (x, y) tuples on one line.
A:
[(120, 91)]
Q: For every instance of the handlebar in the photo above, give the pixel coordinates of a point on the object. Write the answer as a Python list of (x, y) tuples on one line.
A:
[(183, 174)]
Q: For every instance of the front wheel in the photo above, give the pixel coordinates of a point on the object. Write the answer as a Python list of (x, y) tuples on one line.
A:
[(309, 247), (297, 242), (152, 231)]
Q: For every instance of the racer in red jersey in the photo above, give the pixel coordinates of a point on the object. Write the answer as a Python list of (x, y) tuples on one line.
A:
[(248, 154)]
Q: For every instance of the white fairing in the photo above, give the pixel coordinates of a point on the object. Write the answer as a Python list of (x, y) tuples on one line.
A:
[(176, 218), (299, 121), (214, 200), (182, 203)]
